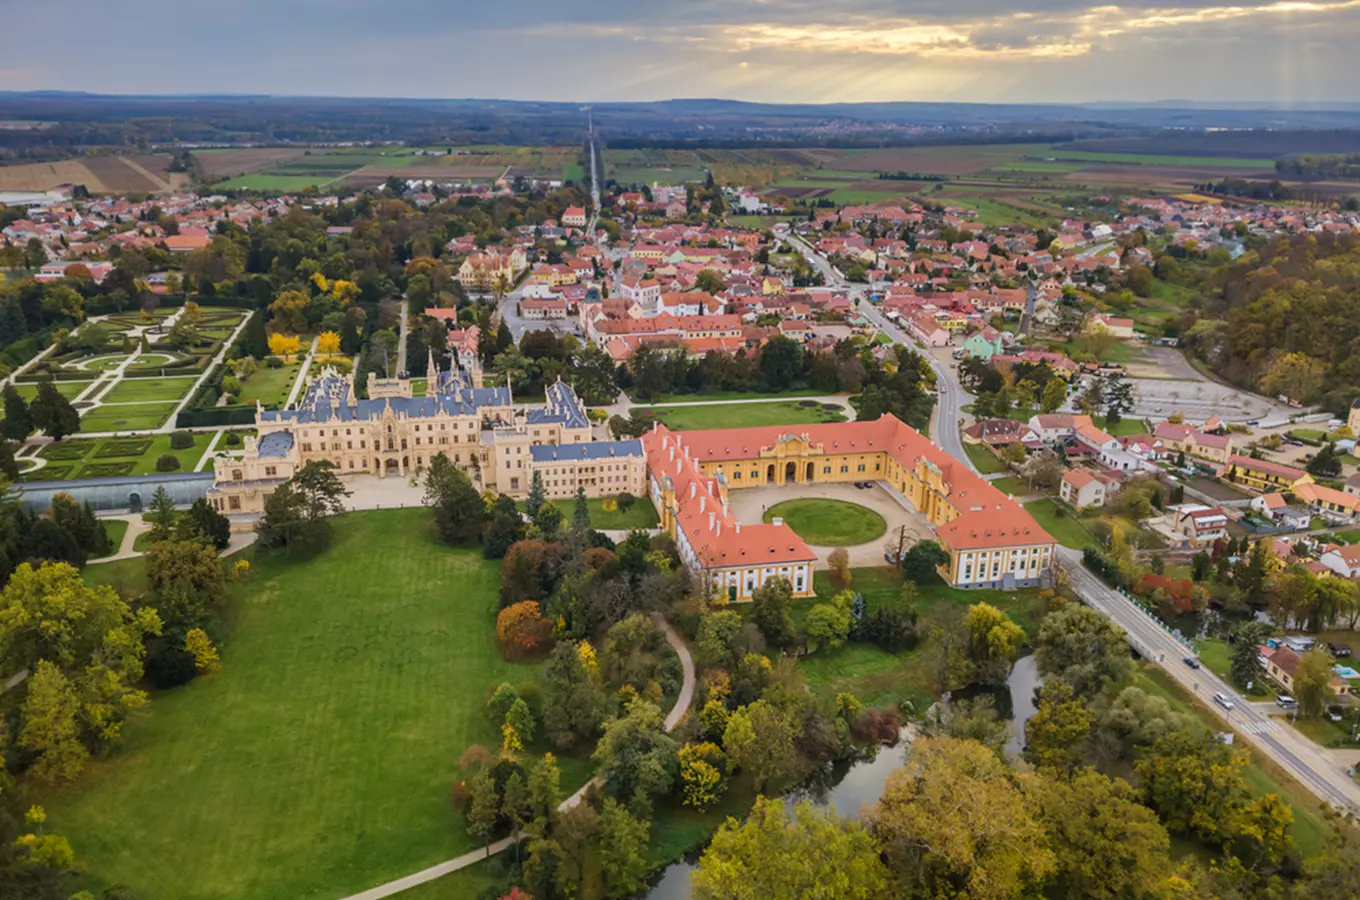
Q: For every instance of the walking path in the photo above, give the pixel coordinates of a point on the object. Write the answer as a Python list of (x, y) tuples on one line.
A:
[(302, 375), (424, 876), (217, 360), (137, 526), (208, 453)]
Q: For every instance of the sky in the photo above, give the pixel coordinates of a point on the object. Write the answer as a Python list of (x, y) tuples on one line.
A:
[(1295, 52)]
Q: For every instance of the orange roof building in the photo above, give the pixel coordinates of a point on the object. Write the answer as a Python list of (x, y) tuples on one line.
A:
[(991, 540)]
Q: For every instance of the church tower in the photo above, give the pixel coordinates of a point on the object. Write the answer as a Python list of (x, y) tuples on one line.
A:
[(431, 376)]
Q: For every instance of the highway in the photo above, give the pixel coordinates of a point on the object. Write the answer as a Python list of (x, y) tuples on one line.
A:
[(1294, 753)]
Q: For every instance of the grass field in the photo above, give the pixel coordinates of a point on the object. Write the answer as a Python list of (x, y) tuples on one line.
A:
[(270, 386), (985, 461), (641, 514), (1013, 484), (318, 761), (829, 523), (1058, 521), (143, 390), (1151, 159), (739, 415), (68, 389), (139, 417), (116, 529)]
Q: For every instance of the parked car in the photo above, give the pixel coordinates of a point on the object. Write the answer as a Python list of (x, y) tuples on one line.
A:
[(1191, 662), (1340, 651), (1222, 700), (1284, 701)]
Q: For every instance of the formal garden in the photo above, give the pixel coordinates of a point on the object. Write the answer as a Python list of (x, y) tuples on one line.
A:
[(178, 451)]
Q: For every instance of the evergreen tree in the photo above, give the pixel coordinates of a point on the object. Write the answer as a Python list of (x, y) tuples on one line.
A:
[(459, 513), (206, 525), (580, 514), (161, 515), (538, 495), (255, 341), (9, 466), (18, 423), (504, 527), (504, 338), (53, 413)]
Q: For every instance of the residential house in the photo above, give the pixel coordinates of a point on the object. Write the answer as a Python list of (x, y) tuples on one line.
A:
[(1336, 506), (1200, 525), (1343, 560), (1081, 489), (1119, 327), (1275, 508), (1260, 475), (1283, 664), (1184, 439), (574, 217)]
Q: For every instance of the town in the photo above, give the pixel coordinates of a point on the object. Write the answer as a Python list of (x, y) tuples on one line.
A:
[(569, 526)]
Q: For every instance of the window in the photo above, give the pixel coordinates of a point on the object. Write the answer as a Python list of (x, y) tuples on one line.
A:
[(235, 474), (844, 469), (861, 467), (234, 502), (826, 470), (269, 471), (736, 476)]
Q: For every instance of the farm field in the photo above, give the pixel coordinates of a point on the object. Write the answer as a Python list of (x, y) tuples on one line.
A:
[(99, 174), (739, 415), (349, 685)]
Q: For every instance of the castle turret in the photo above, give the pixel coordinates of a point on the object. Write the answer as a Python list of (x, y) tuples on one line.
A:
[(431, 376)]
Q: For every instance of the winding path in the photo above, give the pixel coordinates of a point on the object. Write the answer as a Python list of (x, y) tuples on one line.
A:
[(682, 705)]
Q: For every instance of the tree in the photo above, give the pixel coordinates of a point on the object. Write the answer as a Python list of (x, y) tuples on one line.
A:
[(993, 642), (811, 855), (781, 362), (580, 515), (828, 624), (1055, 392), (1194, 782), (18, 422), (636, 757), (771, 606), (1106, 844), (1313, 683), (9, 464), (1295, 376), (1246, 652), (538, 495), (1326, 464), (299, 510), (328, 343), (183, 576), (573, 704), (205, 524), (290, 312), (200, 646), (50, 726), (161, 515), (281, 344), (545, 793), (516, 806), (921, 562), (701, 774), (52, 413), (521, 718), (954, 823), (1083, 648), (1056, 734), (759, 740), (623, 849), (504, 528), (709, 281), (255, 340), (522, 632), (838, 564), (483, 807), (459, 513)]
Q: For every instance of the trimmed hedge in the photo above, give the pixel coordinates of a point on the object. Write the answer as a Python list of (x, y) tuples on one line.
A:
[(67, 451), (128, 447), (49, 473), (218, 415), (167, 462), (107, 469)]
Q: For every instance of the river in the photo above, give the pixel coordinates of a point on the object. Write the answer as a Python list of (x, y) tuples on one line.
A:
[(850, 788)]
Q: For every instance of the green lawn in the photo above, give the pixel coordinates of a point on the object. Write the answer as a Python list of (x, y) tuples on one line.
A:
[(829, 523), (138, 417), (100, 456), (318, 761), (270, 386), (127, 576), (1014, 485), (68, 389), (984, 460), (1057, 520), (734, 395), (142, 390), (739, 415), (1122, 427), (115, 529), (641, 514)]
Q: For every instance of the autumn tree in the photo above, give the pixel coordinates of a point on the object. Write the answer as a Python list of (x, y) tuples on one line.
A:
[(573, 703), (759, 740), (1296, 376), (1056, 734), (1082, 647), (289, 310), (483, 807), (993, 642), (281, 344), (623, 849), (459, 513), (954, 822), (522, 632), (702, 768), (811, 855), (51, 729), (1313, 683), (328, 343)]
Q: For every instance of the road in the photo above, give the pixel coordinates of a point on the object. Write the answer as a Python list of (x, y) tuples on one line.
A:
[(594, 181), (1291, 751)]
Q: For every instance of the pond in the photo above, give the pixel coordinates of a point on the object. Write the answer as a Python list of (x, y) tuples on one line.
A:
[(852, 787)]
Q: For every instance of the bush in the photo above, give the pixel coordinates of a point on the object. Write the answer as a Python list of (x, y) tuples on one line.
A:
[(233, 439), (167, 462), (181, 440), (273, 362), (522, 631), (67, 450), (169, 665)]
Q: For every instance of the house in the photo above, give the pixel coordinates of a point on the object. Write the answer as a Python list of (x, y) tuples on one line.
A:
[(1055, 428), (1184, 439), (574, 217), (983, 344), (1353, 417), (1260, 475), (998, 433), (1119, 327), (1353, 485), (1274, 507), (1335, 506), (1344, 561), (1080, 489), (1200, 525), (1284, 663)]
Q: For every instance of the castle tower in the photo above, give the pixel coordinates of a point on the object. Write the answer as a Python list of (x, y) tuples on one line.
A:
[(431, 376)]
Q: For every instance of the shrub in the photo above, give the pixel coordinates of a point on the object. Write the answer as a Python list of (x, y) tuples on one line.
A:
[(67, 450), (107, 469), (522, 632), (233, 439), (167, 462), (123, 448), (231, 385), (273, 362), (181, 440)]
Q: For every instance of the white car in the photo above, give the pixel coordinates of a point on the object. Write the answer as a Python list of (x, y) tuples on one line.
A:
[(1222, 700)]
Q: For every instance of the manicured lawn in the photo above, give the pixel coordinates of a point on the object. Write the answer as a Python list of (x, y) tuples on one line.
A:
[(100, 457), (139, 417), (270, 386), (126, 576), (318, 761), (829, 523), (984, 460), (1122, 427), (143, 390), (115, 529), (642, 514), (739, 415), (1058, 521), (1346, 537), (68, 389), (733, 395), (1013, 485)]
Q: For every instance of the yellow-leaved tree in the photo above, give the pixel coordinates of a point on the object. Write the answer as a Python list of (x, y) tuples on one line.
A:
[(284, 344), (328, 343), (200, 646), (345, 292)]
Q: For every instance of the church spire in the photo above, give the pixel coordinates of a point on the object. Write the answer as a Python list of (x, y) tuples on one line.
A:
[(431, 376)]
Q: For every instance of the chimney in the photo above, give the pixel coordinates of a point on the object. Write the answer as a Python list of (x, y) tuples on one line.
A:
[(711, 519), (777, 522), (703, 502), (738, 528)]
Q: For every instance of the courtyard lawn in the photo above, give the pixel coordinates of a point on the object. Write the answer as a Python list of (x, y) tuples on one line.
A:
[(138, 417), (1013, 485), (317, 762), (270, 386), (642, 514), (68, 389), (984, 460), (1058, 520), (829, 523), (1123, 427), (739, 415), (734, 395), (126, 576), (144, 390)]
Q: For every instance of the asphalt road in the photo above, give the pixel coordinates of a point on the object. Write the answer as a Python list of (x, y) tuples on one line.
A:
[(1290, 750)]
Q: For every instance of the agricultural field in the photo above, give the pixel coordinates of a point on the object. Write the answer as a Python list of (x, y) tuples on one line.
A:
[(272, 169), (231, 163), (99, 174)]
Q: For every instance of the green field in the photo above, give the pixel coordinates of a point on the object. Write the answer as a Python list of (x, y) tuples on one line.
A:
[(318, 761), (142, 390), (641, 514), (1013, 484), (68, 389), (138, 417), (270, 386), (1152, 159), (1057, 520), (260, 181), (984, 460), (829, 523), (738, 415)]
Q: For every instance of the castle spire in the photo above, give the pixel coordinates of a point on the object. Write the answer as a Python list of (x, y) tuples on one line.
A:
[(431, 376)]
